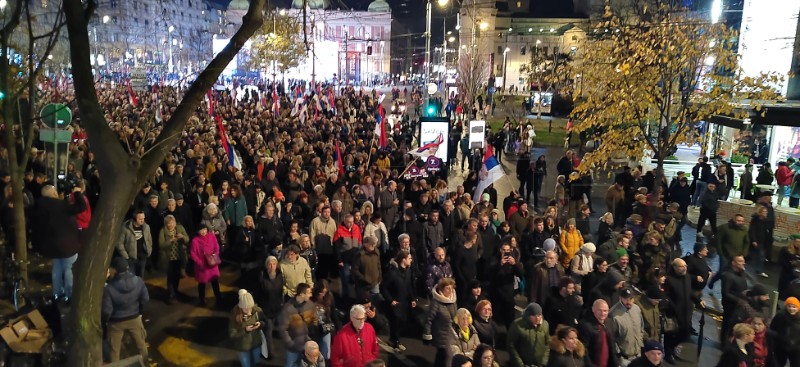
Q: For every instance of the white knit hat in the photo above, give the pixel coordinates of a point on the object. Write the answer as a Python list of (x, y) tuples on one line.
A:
[(245, 299)]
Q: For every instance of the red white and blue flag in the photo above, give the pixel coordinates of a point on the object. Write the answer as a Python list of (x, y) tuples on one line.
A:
[(490, 172), (233, 158), (426, 148)]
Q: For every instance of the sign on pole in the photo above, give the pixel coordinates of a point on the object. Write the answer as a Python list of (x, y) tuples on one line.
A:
[(477, 134), (56, 115)]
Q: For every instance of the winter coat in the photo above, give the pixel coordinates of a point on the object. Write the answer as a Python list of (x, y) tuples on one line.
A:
[(270, 293), (560, 357), (366, 269), (241, 339), (127, 247), (629, 331), (434, 235), (380, 232), (488, 330), (215, 223), (202, 246), (783, 175), (732, 356), (398, 285), (293, 323), (294, 273), (560, 310), (270, 231), (651, 315), (528, 345), (540, 289), (787, 331), (235, 210), (589, 334), (346, 242), (678, 290), (55, 228), (124, 297), (437, 271), (518, 222), (321, 233), (696, 266), (570, 243), (166, 245), (465, 347), (441, 313), (733, 241), (346, 351)]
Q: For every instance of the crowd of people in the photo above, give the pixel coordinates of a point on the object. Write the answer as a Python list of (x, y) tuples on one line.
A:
[(336, 247)]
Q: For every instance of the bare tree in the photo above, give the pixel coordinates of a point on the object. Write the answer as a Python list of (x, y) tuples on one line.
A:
[(121, 172), (473, 72)]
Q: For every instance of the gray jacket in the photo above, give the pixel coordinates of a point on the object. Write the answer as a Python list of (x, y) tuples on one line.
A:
[(628, 329), (126, 246)]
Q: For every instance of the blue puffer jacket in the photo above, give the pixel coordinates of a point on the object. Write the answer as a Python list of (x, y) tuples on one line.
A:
[(124, 297)]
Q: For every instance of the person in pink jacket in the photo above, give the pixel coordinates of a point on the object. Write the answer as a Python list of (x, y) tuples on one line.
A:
[(205, 253)]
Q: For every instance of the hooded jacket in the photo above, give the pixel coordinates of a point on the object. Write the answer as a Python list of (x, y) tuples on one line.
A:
[(243, 340), (440, 316), (570, 243), (124, 297), (462, 345), (561, 357)]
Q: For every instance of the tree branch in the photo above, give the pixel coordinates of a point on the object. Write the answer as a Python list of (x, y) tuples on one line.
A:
[(168, 137)]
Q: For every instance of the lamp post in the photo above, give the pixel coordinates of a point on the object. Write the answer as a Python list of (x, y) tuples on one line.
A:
[(505, 66), (428, 15), (171, 43)]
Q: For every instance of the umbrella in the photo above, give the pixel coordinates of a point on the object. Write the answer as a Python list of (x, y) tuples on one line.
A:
[(700, 332)]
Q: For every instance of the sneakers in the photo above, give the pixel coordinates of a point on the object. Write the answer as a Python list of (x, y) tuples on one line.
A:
[(399, 347), (763, 275)]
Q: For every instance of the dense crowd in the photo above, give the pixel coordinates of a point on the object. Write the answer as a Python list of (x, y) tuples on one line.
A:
[(337, 247)]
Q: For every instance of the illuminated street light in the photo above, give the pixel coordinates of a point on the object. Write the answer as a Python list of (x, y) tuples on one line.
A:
[(451, 39), (530, 29), (538, 41), (507, 50), (484, 26), (510, 29), (106, 18), (3, 4), (170, 29), (441, 3), (282, 12)]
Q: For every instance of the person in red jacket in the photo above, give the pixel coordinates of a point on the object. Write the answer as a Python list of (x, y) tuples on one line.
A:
[(346, 242), (783, 176), (356, 343)]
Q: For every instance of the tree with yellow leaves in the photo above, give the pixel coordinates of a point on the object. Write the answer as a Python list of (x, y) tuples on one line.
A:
[(649, 76), (278, 41)]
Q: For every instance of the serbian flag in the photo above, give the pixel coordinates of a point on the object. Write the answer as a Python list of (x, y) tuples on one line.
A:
[(427, 148), (339, 163), (490, 172), (381, 120), (132, 95), (233, 159)]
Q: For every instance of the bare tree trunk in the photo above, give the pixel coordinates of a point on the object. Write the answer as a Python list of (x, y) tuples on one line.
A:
[(122, 173)]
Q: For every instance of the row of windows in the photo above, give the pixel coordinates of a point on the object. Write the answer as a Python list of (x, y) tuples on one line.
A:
[(523, 50)]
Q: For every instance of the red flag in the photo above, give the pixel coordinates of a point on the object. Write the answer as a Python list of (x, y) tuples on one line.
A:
[(382, 142), (134, 100), (339, 163)]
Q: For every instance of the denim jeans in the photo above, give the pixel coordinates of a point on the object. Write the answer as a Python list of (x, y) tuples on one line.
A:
[(756, 258), (251, 357), (700, 188), (724, 263), (344, 276), (62, 276), (291, 358), (325, 346)]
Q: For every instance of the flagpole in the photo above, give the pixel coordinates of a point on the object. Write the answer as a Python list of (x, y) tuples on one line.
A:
[(409, 166)]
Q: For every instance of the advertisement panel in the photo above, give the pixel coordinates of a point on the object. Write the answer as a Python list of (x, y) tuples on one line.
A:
[(434, 136)]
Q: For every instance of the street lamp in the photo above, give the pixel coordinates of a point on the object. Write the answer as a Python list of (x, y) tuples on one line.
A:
[(171, 43), (106, 18)]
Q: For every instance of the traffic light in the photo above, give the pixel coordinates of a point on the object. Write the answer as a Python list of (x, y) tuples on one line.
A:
[(431, 110), (369, 50)]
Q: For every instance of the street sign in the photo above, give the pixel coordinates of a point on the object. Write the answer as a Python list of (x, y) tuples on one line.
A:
[(138, 79), (477, 133), (56, 115), (55, 135)]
